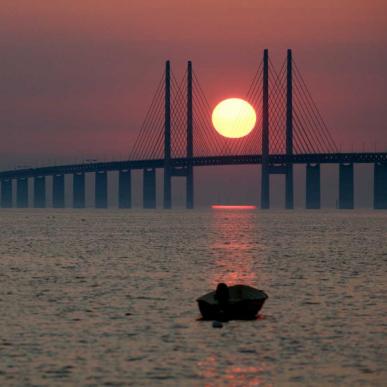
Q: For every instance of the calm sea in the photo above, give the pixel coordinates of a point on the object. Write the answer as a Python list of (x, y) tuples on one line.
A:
[(108, 297)]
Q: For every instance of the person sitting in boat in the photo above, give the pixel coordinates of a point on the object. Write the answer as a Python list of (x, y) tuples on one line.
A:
[(222, 293)]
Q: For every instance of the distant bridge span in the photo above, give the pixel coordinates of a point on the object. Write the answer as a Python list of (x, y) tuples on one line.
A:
[(280, 159), (177, 137)]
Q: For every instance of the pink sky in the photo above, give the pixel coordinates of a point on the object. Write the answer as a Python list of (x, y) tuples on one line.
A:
[(77, 77)]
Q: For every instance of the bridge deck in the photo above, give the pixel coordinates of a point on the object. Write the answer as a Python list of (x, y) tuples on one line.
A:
[(322, 158)]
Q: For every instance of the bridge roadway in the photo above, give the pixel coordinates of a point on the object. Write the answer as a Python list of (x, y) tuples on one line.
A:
[(315, 158)]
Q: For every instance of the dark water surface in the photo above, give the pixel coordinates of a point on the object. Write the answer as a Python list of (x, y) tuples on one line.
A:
[(108, 297)]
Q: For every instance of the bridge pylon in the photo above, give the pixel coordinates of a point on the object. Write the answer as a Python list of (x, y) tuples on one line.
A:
[(289, 195), (267, 167), (190, 176), (167, 138), (170, 170), (265, 177)]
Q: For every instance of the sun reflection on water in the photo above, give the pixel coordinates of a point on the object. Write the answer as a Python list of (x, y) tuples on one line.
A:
[(236, 248), (211, 368)]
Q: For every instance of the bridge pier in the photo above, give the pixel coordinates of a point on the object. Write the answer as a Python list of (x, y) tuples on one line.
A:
[(149, 188), (167, 188), (189, 188), (125, 189), (346, 197), (39, 192), (79, 190), (6, 193), (313, 196), (58, 191), (265, 188), (380, 186), (289, 195), (22, 192), (101, 189)]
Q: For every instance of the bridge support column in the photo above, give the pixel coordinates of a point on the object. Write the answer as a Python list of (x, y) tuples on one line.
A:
[(289, 195), (265, 178), (6, 193), (149, 188), (313, 196), (101, 189), (167, 139), (189, 177), (380, 186), (58, 191), (125, 189), (39, 192), (346, 197), (22, 192), (265, 188), (190, 188), (79, 190)]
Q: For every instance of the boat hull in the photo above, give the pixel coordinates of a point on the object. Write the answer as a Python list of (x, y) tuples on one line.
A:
[(244, 304), (242, 310)]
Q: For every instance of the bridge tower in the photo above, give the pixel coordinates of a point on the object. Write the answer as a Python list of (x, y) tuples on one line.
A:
[(268, 168), (289, 196), (169, 170), (189, 178), (167, 138), (265, 177)]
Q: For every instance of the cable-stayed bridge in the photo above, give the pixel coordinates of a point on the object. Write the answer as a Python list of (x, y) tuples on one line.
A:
[(177, 136)]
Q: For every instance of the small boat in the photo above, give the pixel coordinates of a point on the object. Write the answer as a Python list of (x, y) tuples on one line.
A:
[(238, 302)]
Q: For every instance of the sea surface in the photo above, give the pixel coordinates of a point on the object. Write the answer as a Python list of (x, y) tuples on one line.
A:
[(107, 297)]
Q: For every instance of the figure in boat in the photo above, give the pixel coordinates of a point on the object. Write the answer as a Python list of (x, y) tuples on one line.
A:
[(237, 302)]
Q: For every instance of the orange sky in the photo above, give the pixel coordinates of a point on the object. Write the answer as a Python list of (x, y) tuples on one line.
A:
[(77, 76)]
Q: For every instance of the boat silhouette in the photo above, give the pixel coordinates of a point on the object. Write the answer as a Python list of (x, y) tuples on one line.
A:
[(237, 302)]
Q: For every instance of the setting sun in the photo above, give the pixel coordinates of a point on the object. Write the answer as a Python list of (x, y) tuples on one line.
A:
[(234, 118)]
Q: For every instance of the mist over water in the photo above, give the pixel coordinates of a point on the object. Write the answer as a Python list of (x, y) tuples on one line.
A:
[(108, 297)]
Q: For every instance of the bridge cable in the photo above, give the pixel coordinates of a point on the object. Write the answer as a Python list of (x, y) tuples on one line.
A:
[(178, 116), (154, 130), (305, 140), (214, 140), (205, 111), (149, 124), (274, 107), (203, 134), (241, 147), (316, 110), (277, 109), (307, 118), (148, 117)]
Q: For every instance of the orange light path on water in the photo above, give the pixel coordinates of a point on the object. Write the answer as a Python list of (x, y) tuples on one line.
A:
[(232, 207)]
